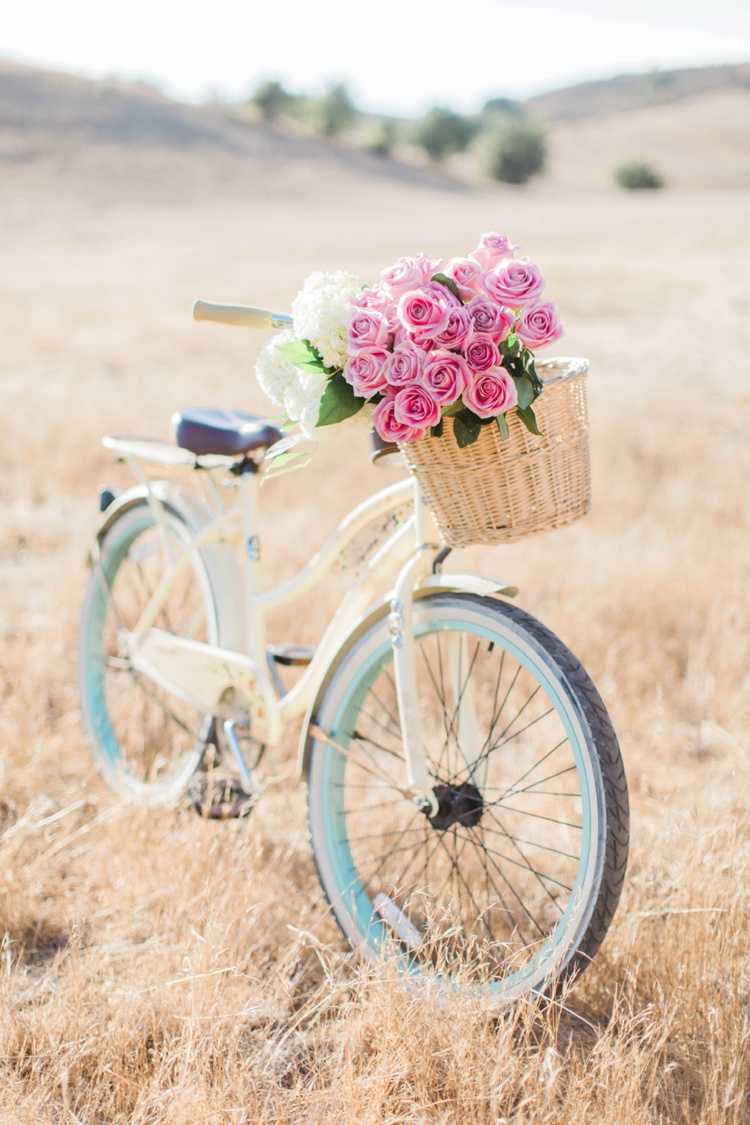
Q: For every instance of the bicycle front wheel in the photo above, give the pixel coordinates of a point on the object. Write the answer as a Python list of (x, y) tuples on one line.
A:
[(513, 883), (146, 743)]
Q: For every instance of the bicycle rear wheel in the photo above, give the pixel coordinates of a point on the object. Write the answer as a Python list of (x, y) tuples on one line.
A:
[(146, 742), (514, 882)]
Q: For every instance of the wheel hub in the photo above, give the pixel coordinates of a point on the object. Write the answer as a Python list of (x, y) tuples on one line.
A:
[(457, 804)]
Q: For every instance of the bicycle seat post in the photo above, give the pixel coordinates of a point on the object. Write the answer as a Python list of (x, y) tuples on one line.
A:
[(255, 641)]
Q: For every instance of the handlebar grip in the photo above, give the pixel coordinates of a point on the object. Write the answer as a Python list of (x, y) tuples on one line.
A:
[(242, 315)]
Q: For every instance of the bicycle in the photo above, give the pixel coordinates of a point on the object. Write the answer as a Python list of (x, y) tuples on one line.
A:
[(467, 804)]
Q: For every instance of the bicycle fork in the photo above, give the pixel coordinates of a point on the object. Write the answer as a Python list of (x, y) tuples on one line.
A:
[(400, 622)]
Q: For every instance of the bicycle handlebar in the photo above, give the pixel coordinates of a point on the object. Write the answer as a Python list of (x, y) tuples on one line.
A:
[(242, 315)]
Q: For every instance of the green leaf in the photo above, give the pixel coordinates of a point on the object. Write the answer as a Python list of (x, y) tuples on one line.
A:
[(338, 402), (502, 425), (531, 372), (525, 392), (466, 428), (511, 345), (303, 355), (529, 420), (448, 282), (437, 431), (454, 409)]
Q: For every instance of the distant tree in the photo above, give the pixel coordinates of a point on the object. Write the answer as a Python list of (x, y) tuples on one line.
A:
[(514, 152), (442, 132), (271, 99), (335, 111), (507, 106), (382, 138), (636, 175)]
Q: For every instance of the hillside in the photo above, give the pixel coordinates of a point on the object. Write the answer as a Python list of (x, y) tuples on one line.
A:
[(92, 136), (699, 143), (624, 92), (72, 140)]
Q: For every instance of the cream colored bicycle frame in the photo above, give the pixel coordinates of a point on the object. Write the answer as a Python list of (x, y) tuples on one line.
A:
[(233, 677)]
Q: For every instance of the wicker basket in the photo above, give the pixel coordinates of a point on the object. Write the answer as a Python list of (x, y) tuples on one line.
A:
[(501, 491)]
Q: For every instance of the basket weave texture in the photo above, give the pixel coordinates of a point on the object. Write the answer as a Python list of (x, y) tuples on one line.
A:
[(499, 491)]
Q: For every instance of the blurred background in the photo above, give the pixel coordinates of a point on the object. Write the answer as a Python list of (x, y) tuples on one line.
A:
[(163, 152)]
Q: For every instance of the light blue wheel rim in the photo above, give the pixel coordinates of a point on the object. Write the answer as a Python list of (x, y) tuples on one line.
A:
[(91, 670), (352, 893)]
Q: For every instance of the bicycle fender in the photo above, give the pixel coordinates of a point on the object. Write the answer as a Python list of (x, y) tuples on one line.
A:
[(220, 561), (468, 583), (433, 584)]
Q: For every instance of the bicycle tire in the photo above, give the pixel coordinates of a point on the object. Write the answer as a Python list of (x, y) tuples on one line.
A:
[(546, 902), (145, 742)]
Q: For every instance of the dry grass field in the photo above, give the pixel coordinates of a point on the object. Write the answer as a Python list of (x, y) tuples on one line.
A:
[(158, 968)]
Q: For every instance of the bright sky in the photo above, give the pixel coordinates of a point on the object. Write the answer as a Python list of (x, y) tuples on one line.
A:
[(398, 56)]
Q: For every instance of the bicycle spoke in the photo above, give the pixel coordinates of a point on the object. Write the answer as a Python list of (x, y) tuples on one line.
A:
[(358, 736), (382, 835), (540, 761), (528, 866), (513, 792), (440, 692), (533, 843), (138, 678), (459, 877), (519, 900), (534, 816)]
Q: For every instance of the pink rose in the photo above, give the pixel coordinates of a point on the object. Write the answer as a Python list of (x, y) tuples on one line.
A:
[(492, 248), (378, 300), (372, 298), (444, 376), (539, 324), (423, 312), (442, 293), (401, 336), (404, 367), (389, 428), (365, 371), (414, 407), (481, 352), (487, 317), (514, 282), (467, 276), (458, 329), (491, 393), (367, 328), (408, 273)]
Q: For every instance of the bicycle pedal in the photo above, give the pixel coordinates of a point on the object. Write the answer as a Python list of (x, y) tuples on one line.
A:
[(222, 799)]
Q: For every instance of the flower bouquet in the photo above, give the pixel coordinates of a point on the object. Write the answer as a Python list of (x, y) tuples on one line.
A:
[(437, 358)]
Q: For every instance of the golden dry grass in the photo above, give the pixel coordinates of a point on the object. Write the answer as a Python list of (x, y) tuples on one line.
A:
[(156, 968)]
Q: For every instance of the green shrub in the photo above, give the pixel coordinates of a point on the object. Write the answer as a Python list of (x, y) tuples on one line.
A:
[(442, 132), (271, 99), (636, 175), (514, 152), (506, 106), (381, 139), (334, 112)]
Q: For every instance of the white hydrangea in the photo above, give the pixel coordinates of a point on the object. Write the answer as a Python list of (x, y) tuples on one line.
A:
[(321, 311), (302, 399), (275, 373)]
